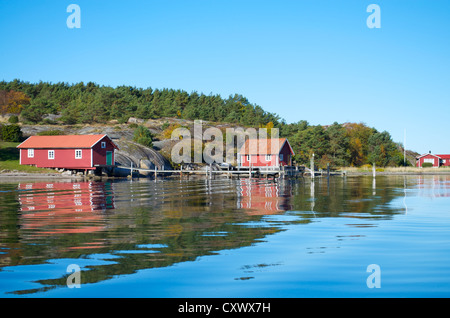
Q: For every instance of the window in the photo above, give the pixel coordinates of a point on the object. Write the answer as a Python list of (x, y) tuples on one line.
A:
[(51, 154), (430, 160), (103, 144), (248, 158), (268, 157), (78, 154), (281, 156), (30, 153)]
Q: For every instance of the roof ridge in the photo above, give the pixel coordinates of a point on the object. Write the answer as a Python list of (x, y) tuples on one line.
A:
[(62, 141)]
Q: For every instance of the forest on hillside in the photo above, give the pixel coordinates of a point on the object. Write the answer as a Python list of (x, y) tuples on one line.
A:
[(347, 144)]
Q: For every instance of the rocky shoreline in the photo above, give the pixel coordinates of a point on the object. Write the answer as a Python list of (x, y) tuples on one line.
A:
[(9, 176)]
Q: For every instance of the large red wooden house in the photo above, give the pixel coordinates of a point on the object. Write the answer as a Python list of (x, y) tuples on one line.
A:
[(72, 152), (435, 160), (273, 152)]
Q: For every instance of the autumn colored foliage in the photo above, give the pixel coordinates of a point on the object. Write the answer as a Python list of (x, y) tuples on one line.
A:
[(12, 102)]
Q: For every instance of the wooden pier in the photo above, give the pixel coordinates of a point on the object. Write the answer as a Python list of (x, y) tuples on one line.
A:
[(235, 172), (209, 172)]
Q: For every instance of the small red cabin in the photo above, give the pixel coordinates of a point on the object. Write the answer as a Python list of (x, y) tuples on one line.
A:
[(83, 152), (274, 152), (435, 160)]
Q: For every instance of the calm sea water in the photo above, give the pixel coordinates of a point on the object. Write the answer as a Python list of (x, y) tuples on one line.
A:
[(227, 238)]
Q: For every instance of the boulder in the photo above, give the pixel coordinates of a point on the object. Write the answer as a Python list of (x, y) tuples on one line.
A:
[(140, 156), (133, 120)]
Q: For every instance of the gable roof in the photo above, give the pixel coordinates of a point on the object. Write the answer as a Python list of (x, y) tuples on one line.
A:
[(428, 154), (63, 141), (264, 146)]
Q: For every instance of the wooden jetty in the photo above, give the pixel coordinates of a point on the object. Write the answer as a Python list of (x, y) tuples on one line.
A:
[(228, 172), (238, 172)]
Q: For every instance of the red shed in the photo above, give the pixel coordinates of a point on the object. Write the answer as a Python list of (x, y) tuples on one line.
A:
[(84, 152), (436, 160), (272, 152)]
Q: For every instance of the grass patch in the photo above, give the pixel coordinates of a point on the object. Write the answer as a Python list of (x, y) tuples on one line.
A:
[(10, 159)]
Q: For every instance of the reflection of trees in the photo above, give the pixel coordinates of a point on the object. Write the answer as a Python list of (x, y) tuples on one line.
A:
[(158, 224)]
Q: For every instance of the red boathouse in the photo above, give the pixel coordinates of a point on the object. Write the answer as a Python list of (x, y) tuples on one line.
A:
[(273, 152), (435, 160), (72, 152)]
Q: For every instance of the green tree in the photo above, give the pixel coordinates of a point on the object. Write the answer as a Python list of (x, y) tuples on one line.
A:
[(143, 136), (381, 149), (37, 108), (338, 146), (312, 140)]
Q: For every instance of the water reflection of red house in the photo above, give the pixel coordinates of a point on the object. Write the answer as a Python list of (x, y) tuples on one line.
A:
[(262, 198), (63, 207), (435, 186)]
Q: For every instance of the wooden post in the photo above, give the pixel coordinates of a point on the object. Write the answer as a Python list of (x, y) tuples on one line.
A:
[(374, 173), (155, 171), (328, 170), (312, 166), (131, 170)]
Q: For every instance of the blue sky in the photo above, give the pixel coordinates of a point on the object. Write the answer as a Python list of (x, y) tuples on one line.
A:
[(302, 59)]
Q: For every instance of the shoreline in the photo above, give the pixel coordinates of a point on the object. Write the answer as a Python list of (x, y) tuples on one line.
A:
[(392, 173), (11, 176)]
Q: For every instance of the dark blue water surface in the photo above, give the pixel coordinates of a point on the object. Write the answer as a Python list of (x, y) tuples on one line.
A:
[(227, 238)]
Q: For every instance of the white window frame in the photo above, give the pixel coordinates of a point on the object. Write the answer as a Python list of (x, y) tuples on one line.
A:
[(51, 157), (80, 152), (268, 157), (430, 160), (249, 158), (30, 153), (103, 144)]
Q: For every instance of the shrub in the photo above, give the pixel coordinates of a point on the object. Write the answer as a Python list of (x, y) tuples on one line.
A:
[(165, 125), (53, 132), (13, 119), (167, 133), (143, 136), (427, 165), (48, 121), (11, 133)]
